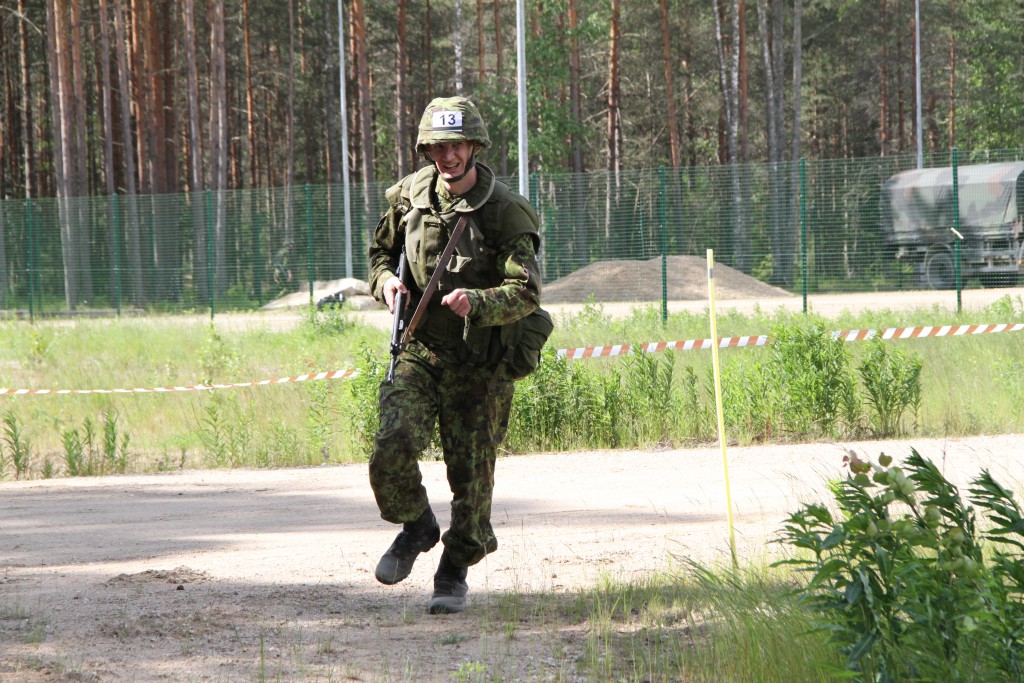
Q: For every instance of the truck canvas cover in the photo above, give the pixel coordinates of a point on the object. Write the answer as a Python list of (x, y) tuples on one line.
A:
[(917, 206)]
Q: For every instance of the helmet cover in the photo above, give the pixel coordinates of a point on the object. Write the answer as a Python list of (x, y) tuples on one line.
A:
[(451, 119)]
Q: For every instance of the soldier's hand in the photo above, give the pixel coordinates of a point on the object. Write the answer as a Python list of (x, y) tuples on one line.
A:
[(391, 287), (458, 302)]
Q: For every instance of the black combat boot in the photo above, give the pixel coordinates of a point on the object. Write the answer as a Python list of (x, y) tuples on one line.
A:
[(414, 538), (450, 588)]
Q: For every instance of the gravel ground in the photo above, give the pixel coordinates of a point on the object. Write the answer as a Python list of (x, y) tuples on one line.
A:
[(255, 575)]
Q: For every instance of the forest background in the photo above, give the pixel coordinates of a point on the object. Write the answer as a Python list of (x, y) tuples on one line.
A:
[(127, 98)]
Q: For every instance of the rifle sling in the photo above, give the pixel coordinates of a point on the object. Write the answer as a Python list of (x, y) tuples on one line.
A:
[(435, 278)]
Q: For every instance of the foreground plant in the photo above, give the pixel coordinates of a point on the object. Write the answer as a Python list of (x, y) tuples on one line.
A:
[(901, 580)]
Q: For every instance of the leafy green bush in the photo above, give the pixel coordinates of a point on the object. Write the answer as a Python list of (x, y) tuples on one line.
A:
[(560, 406), (900, 579), (819, 390)]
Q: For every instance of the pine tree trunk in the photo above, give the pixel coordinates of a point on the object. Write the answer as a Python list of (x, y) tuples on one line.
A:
[(113, 245), (480, 41), (797, 104), (499, 79), (771, 47), (133, 246), (670, 100), (289, 180), (457, 46), (335, 157), (952, 81), (250, 107), (575, 98), (365, 101), (195, 156), (28, 151), (613, 128), (59, 96), (401, 107), (729, 81), (797, 80), (166, 241), (883, 85), (218, 145)]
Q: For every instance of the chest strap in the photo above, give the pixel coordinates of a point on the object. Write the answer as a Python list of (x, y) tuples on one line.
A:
[(435, 277)]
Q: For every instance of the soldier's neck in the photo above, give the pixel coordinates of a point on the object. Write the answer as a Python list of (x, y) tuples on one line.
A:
[(463, 185)]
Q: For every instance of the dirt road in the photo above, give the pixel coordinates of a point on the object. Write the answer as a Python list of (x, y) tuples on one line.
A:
[(254, 575)]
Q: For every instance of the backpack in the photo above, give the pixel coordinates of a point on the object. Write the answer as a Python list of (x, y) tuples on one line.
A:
[(524, 340)]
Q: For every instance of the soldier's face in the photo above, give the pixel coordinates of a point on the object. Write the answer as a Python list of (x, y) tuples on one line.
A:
[(451, 158)]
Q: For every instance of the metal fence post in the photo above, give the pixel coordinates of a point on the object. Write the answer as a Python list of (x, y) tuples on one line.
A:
[(803, 228), (257, 271), (117, 252), (309, 240), (664, 246), (30, 261), (956, 232), (209, 250)]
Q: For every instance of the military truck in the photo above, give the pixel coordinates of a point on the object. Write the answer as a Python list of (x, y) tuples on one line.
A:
[(916, 210)]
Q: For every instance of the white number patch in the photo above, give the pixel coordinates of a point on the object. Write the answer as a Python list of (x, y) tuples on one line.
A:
[(447, 120)]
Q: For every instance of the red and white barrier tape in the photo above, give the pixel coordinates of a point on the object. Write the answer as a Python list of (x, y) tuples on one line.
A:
[(572, 354), (654, 347), (335, 374), (763, 340)]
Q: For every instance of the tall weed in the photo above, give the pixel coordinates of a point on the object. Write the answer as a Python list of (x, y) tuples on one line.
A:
[(75, 456), (18, 447), (218, 360), (892, 381), (320, 418), (560, 406), (696, 419), (115, 444), (359, 402), (752, 403), (224, 431), (648, 396)]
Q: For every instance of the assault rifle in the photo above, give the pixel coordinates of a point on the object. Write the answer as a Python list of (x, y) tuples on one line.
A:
[(400, 333), (398, 323)]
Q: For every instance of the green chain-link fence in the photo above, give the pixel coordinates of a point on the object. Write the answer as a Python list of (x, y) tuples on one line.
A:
[(812, 226)]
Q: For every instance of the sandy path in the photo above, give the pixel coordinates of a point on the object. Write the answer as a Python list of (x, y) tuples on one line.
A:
[(234, 575)]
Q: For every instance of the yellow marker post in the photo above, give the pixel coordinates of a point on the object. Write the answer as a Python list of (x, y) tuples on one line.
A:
[(718, 404)]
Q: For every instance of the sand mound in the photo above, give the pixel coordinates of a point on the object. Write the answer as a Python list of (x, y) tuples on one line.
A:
[(607, 281)]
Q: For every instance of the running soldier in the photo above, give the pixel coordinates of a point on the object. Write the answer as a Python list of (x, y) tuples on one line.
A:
[(451, 374)]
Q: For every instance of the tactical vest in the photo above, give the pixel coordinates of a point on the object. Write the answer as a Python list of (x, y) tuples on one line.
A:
[(474, 265)]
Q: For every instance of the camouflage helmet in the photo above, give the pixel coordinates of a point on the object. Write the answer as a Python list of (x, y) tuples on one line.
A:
[(450, 119)]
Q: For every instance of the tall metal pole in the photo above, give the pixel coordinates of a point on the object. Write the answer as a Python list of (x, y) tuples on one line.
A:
[(344, 144), (917, 53), (524, 171)]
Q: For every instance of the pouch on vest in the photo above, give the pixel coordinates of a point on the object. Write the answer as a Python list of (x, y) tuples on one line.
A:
[(523, 340)]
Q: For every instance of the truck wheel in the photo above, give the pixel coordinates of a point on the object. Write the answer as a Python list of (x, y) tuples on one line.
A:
[(939, 269)]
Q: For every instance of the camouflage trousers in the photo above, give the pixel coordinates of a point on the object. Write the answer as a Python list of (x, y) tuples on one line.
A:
[(470, 408)]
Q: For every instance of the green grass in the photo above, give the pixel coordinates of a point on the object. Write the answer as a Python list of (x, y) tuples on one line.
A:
[(969, 385), (703, 624)]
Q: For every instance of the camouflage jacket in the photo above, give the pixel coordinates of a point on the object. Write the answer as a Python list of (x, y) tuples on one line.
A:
[(495, 260)]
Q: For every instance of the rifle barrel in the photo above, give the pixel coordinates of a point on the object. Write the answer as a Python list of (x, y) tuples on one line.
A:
[(398, 322)]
